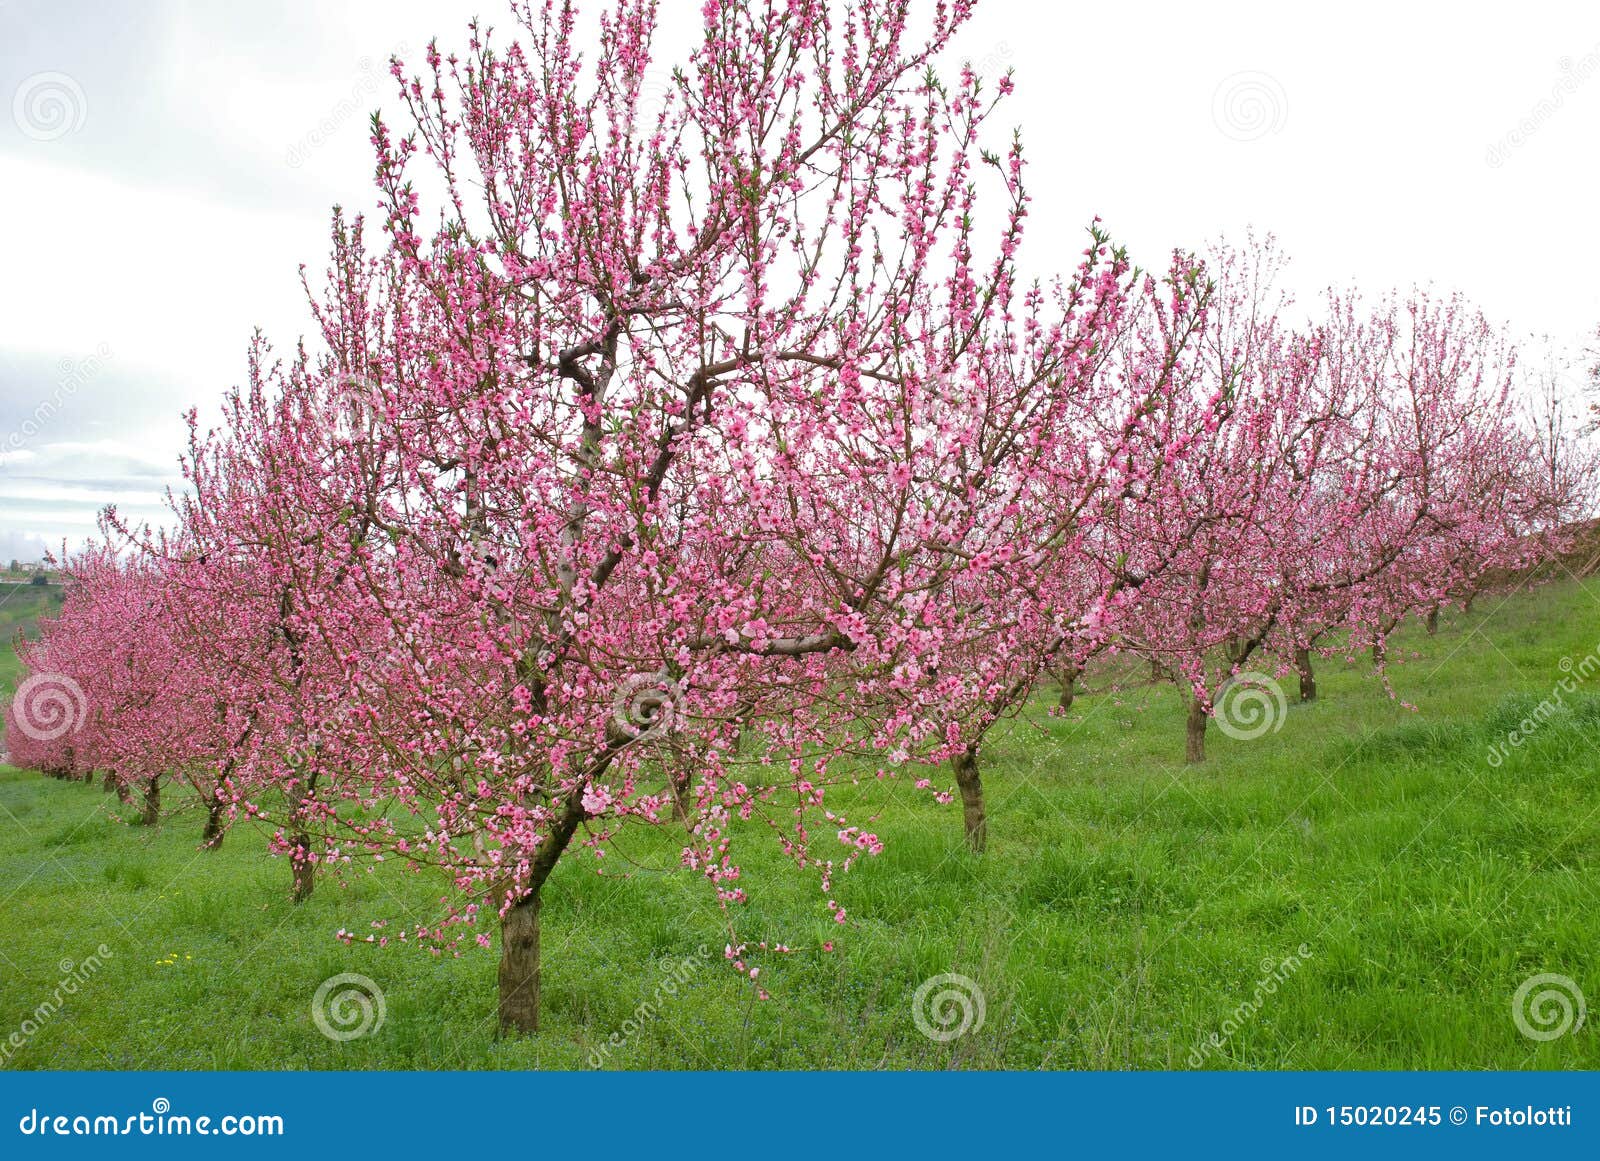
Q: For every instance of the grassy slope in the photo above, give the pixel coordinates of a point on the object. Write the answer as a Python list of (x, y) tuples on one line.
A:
[(21, 606), (1124, 911)]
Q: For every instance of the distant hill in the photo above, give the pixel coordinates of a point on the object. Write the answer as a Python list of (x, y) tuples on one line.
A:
[(21, 606)]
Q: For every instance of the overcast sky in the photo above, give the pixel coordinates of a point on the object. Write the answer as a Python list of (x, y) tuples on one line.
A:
[(165, 167)]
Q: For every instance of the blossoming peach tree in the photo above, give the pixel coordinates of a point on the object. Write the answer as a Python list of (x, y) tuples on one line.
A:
[(669, 430)]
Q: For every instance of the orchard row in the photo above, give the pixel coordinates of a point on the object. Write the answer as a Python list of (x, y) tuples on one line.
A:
[(698, 454)]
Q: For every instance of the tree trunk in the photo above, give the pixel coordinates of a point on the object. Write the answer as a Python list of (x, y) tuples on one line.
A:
[(1308, 676), (305, 871), (519, 927), (1195, 739), (682, 789), (741, 721), (211, 839), (1155, 670), (1433, 620), (1380, 644), (1069, 682), (519, 967), (152, 803), (971, 784)]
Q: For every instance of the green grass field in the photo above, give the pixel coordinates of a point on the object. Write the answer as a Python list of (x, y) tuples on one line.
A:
[(21, 606), (1361, 889)]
